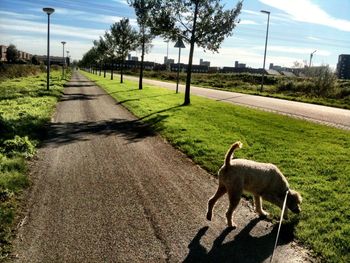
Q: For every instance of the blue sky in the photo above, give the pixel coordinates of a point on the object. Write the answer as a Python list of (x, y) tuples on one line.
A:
[(297, 27)]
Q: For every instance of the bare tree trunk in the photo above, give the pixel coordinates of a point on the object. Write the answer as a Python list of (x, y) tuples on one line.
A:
[(112, 70), (121, 71), (104, 69), (189, 68), (141, 66)]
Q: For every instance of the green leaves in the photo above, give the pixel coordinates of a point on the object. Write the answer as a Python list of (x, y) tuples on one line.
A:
[(124, 38), (172, 19)]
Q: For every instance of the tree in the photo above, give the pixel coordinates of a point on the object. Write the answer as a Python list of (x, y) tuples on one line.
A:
[(324, 81), (201, 22), (125, 40), (35, 60), (101, 49), (89, 59), (143, 10), (12, 53), (110, 49)]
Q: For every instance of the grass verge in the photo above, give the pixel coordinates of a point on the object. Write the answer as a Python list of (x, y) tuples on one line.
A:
[(250, 84), (315, 158), (25, 107)]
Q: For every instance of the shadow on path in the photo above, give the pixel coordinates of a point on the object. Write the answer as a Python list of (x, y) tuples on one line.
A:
[(68, 132), (244, 248)]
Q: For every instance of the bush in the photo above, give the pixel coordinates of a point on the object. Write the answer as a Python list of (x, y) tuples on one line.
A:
[(19, 146), (8, 71), (325, 81)]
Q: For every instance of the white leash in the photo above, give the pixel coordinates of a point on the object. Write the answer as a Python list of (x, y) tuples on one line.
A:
[(279, 226)]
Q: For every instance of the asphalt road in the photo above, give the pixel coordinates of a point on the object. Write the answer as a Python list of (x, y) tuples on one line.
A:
[(339, 118), (107, 189)]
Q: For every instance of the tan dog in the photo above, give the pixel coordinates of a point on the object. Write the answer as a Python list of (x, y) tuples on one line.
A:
[(263, 180)]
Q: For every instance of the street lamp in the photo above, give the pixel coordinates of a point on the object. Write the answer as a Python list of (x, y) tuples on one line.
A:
[(63, 62), (311, 55), (267, 35), (48, 11), (167, 53), (67, 56)]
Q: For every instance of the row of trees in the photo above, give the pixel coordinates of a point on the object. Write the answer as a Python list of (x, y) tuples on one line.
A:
[(204, 23)]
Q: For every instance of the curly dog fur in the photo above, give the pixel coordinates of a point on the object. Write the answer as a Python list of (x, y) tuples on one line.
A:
[(263, 180)]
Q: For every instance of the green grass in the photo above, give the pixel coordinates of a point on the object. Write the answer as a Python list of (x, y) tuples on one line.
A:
[(315, 158), (250, 84), (25, 108)]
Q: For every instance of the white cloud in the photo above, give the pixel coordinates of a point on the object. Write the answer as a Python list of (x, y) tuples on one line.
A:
[(306, 11), (313, 38), (107, 19), (248, 22), (124, 2), (70, 12), (250, 12), (55, 29), (18, 15), (294, 50)]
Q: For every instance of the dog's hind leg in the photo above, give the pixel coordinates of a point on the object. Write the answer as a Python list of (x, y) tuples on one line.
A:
[(234, 196), (211, 203), (258, 206)]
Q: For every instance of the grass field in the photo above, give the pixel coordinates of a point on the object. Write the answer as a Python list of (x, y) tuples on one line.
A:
[(293, 88), (314, 158), (25, 108)]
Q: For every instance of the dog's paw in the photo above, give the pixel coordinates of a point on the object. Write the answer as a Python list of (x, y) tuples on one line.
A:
[(263, 214), (231, 225), (209, 216)]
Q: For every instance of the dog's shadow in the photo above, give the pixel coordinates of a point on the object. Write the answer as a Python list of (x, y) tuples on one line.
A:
[(243, 248)]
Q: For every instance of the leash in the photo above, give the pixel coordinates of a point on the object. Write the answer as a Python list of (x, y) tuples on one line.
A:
[(279, 226)]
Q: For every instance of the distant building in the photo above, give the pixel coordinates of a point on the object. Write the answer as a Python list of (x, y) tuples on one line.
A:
[(343, 66), (240, 70), (239, 65), (22, 56), (195, 68), (204, 63), (168, 61), (54, 60), (3, 53), (129, 56)]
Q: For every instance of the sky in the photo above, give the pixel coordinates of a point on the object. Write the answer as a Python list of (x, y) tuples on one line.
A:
[(296, 28)]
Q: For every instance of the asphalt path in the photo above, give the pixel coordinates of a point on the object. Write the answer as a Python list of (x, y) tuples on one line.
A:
[(336, 117), (105, 188)]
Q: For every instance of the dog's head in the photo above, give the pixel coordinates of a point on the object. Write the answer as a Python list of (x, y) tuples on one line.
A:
[(293, 201)]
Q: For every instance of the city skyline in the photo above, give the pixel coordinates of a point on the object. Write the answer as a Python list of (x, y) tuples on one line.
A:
[(297, 28)]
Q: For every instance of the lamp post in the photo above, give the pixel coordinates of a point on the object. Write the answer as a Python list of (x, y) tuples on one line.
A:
[(48, 11), (167, 53), (63, 62), (311, 55), (67, 56), (267, 35)]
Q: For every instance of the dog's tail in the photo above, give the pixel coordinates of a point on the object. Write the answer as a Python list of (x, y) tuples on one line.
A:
[(230, 152)]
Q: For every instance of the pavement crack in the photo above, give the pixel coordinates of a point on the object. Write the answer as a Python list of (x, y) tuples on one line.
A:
[(157, 231)]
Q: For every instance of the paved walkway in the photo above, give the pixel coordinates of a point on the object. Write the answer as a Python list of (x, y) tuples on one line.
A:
[(339, 118), (107, 189)]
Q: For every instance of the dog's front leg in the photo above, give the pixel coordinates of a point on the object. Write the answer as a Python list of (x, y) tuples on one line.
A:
[(258, 206)]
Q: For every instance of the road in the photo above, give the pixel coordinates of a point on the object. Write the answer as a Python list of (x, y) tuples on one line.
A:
[(339, 118), (105, 188)]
